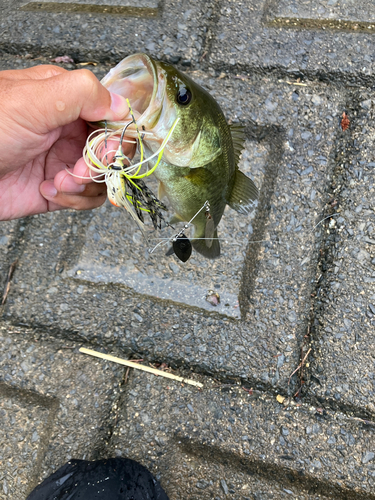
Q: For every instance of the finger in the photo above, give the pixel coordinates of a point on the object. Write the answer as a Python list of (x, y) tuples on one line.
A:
[(65, 184), (81, 171), (76, 202), (83, 174), (79, 197), (35, 73), (57, 101)]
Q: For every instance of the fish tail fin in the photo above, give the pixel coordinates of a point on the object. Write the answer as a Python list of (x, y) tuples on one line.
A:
[(201, 247), (243, 194)]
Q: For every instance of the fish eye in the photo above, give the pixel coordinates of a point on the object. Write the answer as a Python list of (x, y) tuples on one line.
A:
[(184, 96)]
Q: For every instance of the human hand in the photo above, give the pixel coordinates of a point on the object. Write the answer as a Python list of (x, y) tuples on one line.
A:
[(43, 131)]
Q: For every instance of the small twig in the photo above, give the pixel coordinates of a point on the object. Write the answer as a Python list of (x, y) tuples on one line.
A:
[(9, 278), (126, 375), (88, 63), (294, 83), (249, 391), (325, 218), (363, 421), (297, 83), (300, 365), (131, 364), (203, 56)]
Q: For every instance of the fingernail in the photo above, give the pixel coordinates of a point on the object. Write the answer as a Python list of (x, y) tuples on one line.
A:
[(119, 105), (49, 190)]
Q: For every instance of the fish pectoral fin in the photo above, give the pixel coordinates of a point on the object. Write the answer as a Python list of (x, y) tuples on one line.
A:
[(203, 158), (161, 191), (206, 148), (243, 194)]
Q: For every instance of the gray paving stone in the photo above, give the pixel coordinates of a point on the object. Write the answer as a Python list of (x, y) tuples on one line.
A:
[(177, 33), (345, 365), (23, 420), (275, 278), (204, 443), (54, 405), (248, 37)]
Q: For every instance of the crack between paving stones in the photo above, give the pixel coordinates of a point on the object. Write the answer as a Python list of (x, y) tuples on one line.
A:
[(311, 335), (346, 26), (337, 79), (211, 29), (113, 417), (87, 8), (16, 249), (72, 245), (225, 381)]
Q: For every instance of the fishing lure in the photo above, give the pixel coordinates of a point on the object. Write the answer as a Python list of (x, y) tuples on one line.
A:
[(124, 176), (126, 187)]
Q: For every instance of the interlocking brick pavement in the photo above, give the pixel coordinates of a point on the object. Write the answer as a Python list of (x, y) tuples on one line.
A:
[(298, 273)]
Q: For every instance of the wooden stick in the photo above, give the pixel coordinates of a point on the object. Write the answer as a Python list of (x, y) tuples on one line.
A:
[(300, 365), (296, 83), (131, 364), (8, 281)]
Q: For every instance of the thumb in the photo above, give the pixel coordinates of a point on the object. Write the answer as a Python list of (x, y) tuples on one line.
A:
[(64, 98)]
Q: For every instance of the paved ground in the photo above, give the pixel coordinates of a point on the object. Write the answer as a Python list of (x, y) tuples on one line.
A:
[(296, 278)]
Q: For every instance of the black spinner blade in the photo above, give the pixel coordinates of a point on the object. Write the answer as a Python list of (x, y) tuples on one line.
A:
[(182, 247)]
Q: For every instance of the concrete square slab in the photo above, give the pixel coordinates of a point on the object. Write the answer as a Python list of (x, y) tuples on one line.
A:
[(291, 131), (114, 252)]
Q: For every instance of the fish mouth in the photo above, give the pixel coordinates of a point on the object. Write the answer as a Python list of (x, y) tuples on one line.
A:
[(137, 78)]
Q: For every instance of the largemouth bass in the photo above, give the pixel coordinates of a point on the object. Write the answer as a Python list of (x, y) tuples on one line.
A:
[(200, 161)]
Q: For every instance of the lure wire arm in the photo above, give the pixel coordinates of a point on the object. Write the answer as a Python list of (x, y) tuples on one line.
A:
[(181, 232)]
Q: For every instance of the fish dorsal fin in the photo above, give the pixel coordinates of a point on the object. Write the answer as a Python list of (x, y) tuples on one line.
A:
[(238, 139), (243, 194)]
